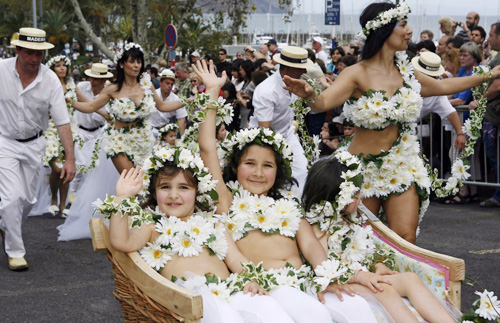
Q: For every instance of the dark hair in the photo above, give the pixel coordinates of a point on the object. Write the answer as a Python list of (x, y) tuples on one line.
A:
[(229, 87), (170, 170), (356, 50), (427, 44), (281, 181), (376, 38), (223, 50), (338, 49), (497, 28), (258, 77), (248, 67), (258, 63), (457, 42), (322, 65), (481, 31), (311, 55), (323, 182), (154, 71), (428, 32), (349, 60), (120, 73), (66, 77), (413, 48)]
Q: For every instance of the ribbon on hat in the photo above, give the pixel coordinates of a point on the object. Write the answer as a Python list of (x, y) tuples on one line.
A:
[(98, 73), (293, 60), (427, 67), (32, 39)]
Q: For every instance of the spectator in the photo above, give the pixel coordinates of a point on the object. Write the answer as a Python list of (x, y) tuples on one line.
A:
[(426, 35), (471, 21), (454, 42), (441, 47), (452, 63), (237, 80), (272, 45), (197, 85), (448, 26), (346, 61), (317, 45), (426, 45), (264, 50), (194, 57), (336, 55), (477, 35), (240, 55), (153, 72), (223, 64), (229, 94), (244, 95), (183, 83), (329, 139)]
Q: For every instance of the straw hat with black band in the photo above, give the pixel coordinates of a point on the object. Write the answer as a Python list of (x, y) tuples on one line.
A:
[(428, 63), (166, 74), (32, 38), (293, 57), (98, 71)]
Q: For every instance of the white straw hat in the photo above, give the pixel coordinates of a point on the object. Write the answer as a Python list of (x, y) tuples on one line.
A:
[(32, 38), (167, 74), (428, 63), (294, 57), (98, 71)]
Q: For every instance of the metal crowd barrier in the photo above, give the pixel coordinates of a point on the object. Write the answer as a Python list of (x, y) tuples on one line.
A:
[(487, 167)]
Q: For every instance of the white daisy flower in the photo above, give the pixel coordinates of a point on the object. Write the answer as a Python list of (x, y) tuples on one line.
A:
[(460, 170), (167, 227), (186, 246), (154, 255), (198, 228), (489, 306)]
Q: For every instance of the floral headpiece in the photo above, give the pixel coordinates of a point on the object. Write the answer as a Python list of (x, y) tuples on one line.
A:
[(166, 128), (184, 159), (57, 59), (260, 136), (353, 178), (400, 12), (126, 47)]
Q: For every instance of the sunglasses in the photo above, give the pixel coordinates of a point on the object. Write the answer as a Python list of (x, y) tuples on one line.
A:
[(221, 54)]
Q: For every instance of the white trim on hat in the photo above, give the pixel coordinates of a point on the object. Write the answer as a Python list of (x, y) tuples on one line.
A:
[(32, 38)]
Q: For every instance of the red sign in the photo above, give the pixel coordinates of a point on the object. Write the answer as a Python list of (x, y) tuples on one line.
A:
[(170, 36)]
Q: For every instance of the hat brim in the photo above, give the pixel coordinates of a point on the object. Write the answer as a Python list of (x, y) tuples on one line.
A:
[(31, 45), (98, 76), (416, 66), (277, 59)]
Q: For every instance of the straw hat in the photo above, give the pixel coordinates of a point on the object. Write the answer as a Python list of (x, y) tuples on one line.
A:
[(98, 71), (167, 74), (294, 57), (32, 38), (428, 63)]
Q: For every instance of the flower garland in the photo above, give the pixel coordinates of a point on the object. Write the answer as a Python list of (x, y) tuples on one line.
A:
[(198, 106), (166, 128), (184, 159), (253, 212), (126, 110), (94, 161), (310, 144), (57, 59), (472, 128), (126, 47), (260, 136), (400, 12)]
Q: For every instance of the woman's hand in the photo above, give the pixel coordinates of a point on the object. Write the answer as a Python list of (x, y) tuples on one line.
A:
[(129, 183), (372, 281), (337, 290), (381, 269), (208, 76), (298, 87), (254, 288)]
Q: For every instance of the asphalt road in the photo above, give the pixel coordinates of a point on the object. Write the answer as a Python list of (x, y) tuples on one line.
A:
[(68, 282)]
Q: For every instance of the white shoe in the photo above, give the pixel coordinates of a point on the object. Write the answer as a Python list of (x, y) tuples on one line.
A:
[(65, 213), (53, 209)]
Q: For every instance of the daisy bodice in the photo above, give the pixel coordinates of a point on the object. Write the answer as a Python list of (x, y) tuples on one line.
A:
[(374, 110)]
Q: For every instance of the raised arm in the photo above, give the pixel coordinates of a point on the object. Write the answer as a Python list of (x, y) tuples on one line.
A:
[(121, 238), (433, 87), (165, 106), (97, 103), (206, 137)]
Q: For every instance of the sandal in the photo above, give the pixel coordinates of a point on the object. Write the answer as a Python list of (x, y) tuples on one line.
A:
[(462, 199), (473, 198), (53, 209), (65, 213)]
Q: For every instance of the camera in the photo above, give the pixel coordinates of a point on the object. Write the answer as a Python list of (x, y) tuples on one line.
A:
[(459, 24)]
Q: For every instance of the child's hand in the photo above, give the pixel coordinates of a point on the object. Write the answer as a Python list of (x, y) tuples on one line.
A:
[(381, 269), (372, 281), (254, 288), (337, 289), (208, 76), (130, 182)]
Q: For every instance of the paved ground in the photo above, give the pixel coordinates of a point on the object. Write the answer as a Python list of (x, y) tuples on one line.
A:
[(68, 282)]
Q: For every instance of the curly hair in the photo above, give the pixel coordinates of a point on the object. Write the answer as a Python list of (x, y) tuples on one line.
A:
[(453, 56), (449, 25)]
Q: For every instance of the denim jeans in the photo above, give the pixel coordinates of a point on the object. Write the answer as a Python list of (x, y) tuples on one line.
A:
[(490, 146)]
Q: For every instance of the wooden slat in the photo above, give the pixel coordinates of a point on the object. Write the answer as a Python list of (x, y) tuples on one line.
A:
[(173, 297), (96, 233)]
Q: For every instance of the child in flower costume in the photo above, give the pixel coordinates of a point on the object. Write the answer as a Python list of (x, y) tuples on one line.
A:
[(264, 216), (331, 197), (187, 246)]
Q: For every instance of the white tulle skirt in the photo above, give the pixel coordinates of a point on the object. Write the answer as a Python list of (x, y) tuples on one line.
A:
[(95, 184)]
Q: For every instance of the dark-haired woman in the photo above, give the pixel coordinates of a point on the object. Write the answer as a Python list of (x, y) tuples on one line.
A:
[(383, 97), (132, 100), (336, 55), (245, 94)]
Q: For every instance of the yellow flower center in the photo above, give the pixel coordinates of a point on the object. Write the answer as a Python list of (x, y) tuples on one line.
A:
[(242, 206), (393, 181), (261, 219), (185, 243), (196, 230), (230, 227), (367, 186), (284, 224), (216, 292), (157, 254), (169, 231)]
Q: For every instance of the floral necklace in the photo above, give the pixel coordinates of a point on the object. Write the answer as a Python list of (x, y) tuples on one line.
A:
[(253, 212)]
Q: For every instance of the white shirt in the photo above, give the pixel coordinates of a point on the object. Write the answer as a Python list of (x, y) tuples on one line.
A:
[(322, 56), (89, 120), (159, 119), (25, 112), (437, 104), (271, 103)]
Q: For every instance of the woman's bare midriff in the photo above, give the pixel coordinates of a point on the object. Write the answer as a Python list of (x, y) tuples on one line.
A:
[(372, 142), (202, 264), (274, 250), (120, 124)]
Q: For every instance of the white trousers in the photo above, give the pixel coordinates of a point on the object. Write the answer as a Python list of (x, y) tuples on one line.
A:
[(299, 165), (351, 310), (19, 170), (263, 308)]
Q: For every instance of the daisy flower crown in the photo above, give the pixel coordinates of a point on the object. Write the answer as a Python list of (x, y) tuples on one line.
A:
[(126, 47), (57, 59), (166, 128), (238, 140), (353, 179), (185, 159), (400, 12)]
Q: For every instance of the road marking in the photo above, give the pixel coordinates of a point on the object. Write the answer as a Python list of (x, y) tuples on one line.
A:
[(483, 252)]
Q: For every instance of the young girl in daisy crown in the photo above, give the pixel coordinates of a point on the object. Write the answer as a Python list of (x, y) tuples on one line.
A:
[(265, 219), (182, 242), (330, 198)]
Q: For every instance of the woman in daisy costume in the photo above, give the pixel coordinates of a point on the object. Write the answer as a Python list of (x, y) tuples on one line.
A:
[(177, 235), (382, 96), (265, 219), (54, 154), (131, 100), (330, 198)]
